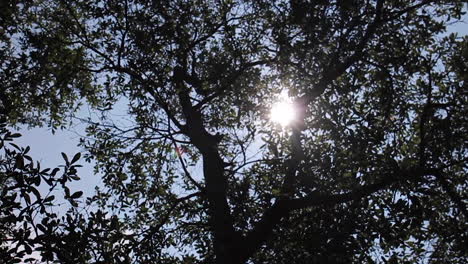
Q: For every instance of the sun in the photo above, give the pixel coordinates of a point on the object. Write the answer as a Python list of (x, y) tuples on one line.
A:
[(283, 112)]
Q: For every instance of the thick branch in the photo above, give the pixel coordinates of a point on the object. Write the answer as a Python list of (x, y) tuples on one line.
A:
[(317, 198), (283, 207), (226, 239)]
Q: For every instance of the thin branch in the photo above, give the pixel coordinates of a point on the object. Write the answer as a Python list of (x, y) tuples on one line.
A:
[(230, 79), (184, 167), (168, 214)]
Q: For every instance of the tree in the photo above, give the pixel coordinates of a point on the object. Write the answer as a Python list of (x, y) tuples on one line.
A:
[(372, 169)]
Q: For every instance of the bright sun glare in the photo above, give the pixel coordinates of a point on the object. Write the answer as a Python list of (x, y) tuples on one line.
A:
[(282, 112)]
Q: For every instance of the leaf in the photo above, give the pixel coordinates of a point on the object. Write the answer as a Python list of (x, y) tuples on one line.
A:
[(15, 135), (42, 228), (37, 180), (76, 158), (65, 158), (67, 191), (19, 162), (15, 146), (74, 177), (28, 158), (276, 192), (36, 192), (76, 195), (54, 171), (28, 249), (49, 199), (27, 198)]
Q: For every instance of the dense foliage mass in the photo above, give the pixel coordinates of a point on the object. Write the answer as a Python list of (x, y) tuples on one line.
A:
[(371, 170)]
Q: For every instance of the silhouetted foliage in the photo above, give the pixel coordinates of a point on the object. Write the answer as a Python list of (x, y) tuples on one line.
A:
[(27, 218), (372, 169)]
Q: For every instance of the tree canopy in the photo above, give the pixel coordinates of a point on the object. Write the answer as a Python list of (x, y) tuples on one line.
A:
[(372, 169)]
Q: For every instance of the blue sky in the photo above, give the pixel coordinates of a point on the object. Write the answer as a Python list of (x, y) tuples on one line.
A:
[(47, 147)]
